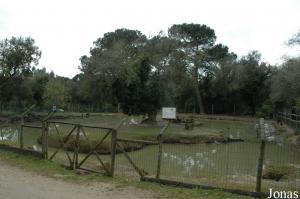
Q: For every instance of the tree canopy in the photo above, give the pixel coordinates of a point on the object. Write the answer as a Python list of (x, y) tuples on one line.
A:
[(129, 72)]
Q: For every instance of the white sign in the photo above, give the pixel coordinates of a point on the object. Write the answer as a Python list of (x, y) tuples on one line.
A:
[(169, 113)]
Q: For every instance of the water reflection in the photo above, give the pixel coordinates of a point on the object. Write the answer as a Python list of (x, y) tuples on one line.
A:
[(9, 133)]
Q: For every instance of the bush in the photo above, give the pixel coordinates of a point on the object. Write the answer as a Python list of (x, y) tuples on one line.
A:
[(266, 110), (277, 172), (85, 147)]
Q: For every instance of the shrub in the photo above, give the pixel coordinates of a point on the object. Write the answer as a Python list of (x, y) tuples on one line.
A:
[(85, 147), (277, 172)]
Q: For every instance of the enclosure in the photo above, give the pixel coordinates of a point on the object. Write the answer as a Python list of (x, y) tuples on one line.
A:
[(222, 152)]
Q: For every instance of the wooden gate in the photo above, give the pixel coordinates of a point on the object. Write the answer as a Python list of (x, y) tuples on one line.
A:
[(76, 159)]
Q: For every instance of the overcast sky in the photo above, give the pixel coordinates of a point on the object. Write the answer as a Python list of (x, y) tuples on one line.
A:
[(65, 30)]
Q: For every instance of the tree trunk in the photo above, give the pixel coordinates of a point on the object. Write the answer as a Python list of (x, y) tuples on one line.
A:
[(199, 98), (151, 119)]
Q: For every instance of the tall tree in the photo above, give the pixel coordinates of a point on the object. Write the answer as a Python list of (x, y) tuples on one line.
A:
[(17, 55), (197, 42), (55, 93), (253, 79), (285, 89), (110, 61)]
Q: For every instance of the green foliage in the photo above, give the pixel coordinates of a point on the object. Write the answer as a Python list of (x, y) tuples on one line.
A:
[(253, 80), (142, 95), (285, 88), (266, 110), (184, 68), (17, 55), (54, 93), (199, 55)]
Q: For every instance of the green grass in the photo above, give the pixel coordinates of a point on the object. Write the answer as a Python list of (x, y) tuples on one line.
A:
[(53, 169), (209, 132)]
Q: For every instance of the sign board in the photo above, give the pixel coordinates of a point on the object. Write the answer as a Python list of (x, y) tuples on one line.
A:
[(169, 113)]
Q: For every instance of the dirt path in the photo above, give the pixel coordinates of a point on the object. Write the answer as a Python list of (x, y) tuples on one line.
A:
[(16, 183)]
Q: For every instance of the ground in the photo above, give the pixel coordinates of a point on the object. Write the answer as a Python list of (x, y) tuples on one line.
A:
[(15, 183), (22, 174)]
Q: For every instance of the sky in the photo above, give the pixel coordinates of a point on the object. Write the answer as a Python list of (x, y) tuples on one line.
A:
[(64, 30)]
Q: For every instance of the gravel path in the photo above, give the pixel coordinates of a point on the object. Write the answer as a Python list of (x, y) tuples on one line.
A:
[(16, 183)]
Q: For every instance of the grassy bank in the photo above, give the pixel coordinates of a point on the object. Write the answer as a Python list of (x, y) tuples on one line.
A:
[(52, 169)]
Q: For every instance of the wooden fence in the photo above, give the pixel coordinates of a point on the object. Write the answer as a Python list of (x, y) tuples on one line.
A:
[(292, 120)]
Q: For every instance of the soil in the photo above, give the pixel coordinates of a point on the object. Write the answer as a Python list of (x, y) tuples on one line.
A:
[(16, 183)]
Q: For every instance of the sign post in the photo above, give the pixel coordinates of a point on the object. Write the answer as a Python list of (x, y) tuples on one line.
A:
[(168, 113)]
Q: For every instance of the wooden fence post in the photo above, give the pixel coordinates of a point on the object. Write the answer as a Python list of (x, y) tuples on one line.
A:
[(113, 151), (21, 140), (76, 150), (45, 139), (296, 123), (159, 138), (261, 157), (260, 166)]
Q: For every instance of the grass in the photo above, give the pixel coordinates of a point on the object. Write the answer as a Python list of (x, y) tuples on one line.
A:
[(209, 132), (52, 169)]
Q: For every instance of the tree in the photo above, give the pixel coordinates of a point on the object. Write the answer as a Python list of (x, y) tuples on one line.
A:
[(294, 40), (197, 43), (40, 78), (54, 93), (253, 79), (143, 95), (110, 61), (285, 89), (17, 56)]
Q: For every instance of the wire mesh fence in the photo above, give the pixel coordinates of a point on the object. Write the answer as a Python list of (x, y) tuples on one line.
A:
[(228, 164), (217, 153)]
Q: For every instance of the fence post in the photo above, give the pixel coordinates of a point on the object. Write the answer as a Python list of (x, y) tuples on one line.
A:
[(159, 158), (45, 139), (113, 151), (76, 150), (21, 140), (260, 166), (159, 138), (261, 159), (234, 108), (296, 123)]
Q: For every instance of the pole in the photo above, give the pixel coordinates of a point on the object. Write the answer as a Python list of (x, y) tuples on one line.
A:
[(234, 109), (159, 138), (113, 151), (76, 150), (261, 157), (260, 166), (21, 133)]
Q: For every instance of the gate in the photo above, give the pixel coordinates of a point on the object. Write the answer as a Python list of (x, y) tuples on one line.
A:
[(72, 142), (138, 169)]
